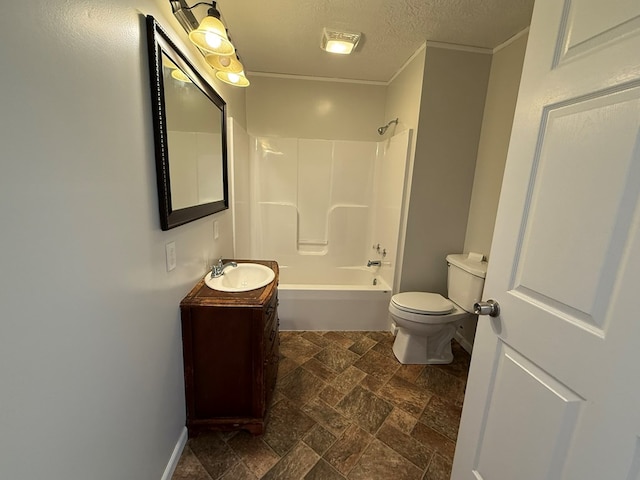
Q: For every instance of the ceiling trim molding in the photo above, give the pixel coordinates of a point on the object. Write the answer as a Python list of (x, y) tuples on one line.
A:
[(508, 42), (428, 43), (406, 64), (463, 48), (315, 79)]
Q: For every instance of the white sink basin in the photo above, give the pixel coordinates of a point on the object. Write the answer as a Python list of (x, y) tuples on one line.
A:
[(244, 277)]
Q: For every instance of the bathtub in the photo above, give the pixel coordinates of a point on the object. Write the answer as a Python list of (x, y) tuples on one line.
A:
[(340, 298)]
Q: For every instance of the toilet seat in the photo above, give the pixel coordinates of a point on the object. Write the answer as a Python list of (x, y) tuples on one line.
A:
[(424, 308), (422, 303)]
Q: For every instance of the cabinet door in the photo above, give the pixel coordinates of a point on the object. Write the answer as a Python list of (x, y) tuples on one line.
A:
[(223, 358)]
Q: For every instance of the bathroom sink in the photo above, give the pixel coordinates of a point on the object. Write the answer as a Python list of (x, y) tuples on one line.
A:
[(244, 277)]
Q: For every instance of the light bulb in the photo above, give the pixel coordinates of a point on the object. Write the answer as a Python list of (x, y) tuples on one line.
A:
[(213, 40), (338, 46), (233, 78)]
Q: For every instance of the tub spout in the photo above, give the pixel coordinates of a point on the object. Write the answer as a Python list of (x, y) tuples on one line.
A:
[(374, 263)]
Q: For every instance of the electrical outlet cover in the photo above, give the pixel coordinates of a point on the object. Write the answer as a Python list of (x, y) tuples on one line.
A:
[(170, 250)]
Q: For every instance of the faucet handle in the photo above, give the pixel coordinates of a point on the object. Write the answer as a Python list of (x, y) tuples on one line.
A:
[(216, 268)]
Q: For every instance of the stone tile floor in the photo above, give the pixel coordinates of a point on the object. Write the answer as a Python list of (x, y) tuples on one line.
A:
[(343, 408)]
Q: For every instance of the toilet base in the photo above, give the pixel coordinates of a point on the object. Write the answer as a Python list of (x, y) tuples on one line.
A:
[(435, 349)]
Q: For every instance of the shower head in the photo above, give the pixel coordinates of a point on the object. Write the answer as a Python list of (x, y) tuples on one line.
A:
[(382, 130)]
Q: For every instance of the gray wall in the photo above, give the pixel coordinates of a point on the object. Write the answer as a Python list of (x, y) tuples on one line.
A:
[(504, 80), (502, 92), (403, 102), (90, 342), (453, 95)]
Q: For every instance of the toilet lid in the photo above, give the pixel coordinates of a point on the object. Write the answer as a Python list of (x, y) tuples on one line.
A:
[(422, 302)]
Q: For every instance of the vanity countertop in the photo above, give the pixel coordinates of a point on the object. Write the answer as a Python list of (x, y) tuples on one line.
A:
[(201, 294)]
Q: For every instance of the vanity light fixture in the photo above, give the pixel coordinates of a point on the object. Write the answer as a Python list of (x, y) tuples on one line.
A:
[(180, 76), (224, 63), (334, 41), (236, 79), (232, 73), (175, 71), (211, 34), (211, 37)]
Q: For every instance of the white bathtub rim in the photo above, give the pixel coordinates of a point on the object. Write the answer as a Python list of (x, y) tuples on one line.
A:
[(380, 287)]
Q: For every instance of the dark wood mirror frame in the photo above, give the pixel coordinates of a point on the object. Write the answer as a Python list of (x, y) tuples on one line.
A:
[(160, 44)]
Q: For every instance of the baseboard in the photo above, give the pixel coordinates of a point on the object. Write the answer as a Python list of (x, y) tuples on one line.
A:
[(463, 342), (175, 456)]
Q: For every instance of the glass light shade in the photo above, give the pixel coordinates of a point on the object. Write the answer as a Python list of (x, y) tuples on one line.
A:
[(211, 36), (180, 76), (224, 63), (235, 79), (168, 63), (339, 46)]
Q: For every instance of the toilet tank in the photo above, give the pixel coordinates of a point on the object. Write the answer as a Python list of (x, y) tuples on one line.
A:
[(465, 280)]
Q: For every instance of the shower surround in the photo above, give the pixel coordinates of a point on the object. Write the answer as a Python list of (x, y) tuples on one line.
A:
[(317, 207)]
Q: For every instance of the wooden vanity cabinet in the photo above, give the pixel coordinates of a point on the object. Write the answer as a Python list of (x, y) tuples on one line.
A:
[(231, 351)]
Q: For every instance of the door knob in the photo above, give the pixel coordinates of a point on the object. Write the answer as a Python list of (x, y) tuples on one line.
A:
[(490, 307)]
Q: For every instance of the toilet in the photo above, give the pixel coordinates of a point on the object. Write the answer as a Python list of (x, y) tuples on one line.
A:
[(426, 322)]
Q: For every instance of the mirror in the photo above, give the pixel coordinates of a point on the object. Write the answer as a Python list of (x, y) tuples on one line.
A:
[(190, 135)]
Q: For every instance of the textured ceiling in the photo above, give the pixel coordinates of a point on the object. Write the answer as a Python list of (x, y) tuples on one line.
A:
[(283, 36)]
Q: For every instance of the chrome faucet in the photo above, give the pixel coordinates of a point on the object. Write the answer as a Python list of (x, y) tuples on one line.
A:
[(218, 270), (374, 263)]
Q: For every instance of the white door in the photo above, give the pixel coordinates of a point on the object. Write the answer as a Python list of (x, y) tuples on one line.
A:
[(554, 386)]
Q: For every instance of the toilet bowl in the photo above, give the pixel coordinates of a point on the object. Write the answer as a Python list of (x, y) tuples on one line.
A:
[(426, 322), (424, 337)]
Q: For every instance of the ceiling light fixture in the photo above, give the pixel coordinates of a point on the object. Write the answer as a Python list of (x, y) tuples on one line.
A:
[(342, 43)]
